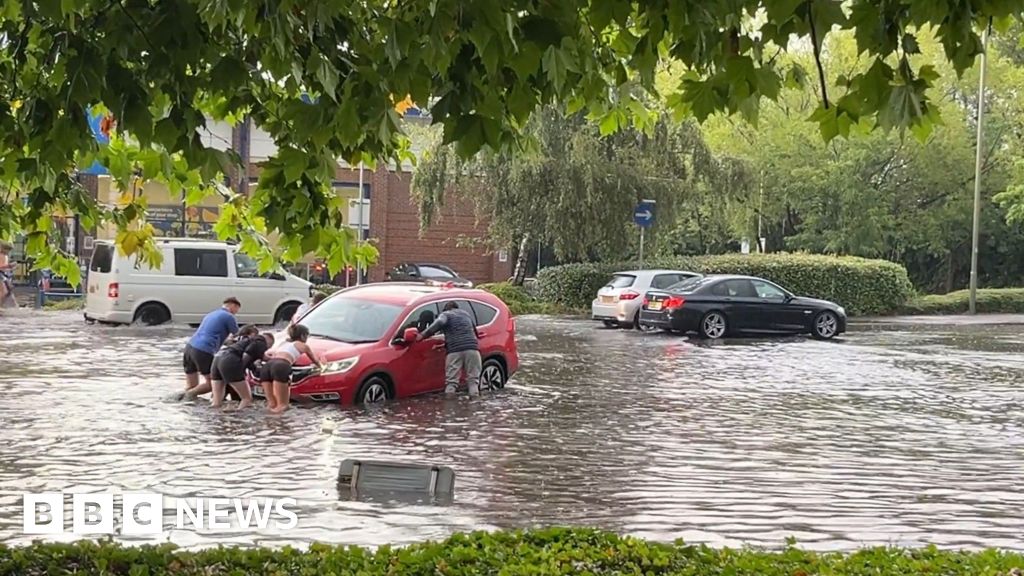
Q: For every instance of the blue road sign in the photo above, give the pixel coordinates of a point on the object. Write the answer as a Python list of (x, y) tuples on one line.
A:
[(643, 214)]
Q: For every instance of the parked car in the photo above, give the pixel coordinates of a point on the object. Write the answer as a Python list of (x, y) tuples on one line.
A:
[(430, 274), (366, 337), (618, 302), (194, 278), (719, 306)]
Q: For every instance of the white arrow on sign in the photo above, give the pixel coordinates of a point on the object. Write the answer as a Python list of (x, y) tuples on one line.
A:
[(646, 214)]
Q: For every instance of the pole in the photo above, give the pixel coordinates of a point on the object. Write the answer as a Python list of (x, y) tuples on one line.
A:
[(760, 211), (641, 247), (359, 269), (975, 230)]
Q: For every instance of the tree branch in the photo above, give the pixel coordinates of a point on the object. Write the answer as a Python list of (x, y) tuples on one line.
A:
[(817, 53)]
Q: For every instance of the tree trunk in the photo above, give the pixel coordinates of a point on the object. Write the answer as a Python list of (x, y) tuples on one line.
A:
[(522, 258)]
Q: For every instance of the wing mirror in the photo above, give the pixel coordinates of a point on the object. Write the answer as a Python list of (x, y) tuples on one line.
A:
[(408, 337)]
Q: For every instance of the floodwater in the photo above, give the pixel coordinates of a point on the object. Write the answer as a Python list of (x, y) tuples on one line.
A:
[(906, 435)]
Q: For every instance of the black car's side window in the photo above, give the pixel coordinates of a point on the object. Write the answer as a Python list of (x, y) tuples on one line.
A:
[(766, 291), (741, 289), (720, 289)]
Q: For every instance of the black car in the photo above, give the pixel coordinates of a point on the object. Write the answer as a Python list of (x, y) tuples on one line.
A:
[(719, 306), (437, 274)]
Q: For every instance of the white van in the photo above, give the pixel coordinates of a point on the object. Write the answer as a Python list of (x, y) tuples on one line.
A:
[(194, 278)]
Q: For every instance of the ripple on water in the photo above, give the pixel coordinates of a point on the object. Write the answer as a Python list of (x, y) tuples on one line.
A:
[(899, 436)]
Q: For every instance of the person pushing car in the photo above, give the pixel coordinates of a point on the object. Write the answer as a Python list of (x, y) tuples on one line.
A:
[(462, 345), (204, 345)]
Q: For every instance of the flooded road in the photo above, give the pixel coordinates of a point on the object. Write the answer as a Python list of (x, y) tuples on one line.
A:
[(907, 435)]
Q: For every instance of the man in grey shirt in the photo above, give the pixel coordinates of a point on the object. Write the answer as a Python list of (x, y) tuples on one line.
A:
[(462, 345)]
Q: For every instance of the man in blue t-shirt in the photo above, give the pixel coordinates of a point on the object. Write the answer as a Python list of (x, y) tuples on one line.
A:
[(204, 344)]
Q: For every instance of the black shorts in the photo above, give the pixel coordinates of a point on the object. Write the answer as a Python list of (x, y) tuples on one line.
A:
[(277, 370), (197, 361), (227, 367)]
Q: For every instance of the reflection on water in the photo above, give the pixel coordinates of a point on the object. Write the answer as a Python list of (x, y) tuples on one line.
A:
[(904, 436)]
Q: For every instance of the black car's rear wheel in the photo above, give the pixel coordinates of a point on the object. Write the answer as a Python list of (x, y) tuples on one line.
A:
[(826, 326), (714, 326)]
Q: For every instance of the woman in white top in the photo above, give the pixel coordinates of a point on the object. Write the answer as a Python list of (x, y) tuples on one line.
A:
[(276, 375)]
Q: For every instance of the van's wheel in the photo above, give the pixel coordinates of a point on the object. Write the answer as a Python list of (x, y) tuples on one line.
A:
[(374, 391), (285, 313), (492, 375), (152, 314)]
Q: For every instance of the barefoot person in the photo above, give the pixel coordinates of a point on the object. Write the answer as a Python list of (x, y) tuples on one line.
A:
[(232, 362), (6, 285), (462, 345), (279, 369), (204, 344)]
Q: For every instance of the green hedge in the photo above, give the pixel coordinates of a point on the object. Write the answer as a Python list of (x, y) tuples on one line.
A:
[(553, 551), (990, 301), (519, 300), (860, 285)]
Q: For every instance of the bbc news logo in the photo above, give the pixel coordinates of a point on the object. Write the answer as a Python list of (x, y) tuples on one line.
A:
[(145, 513)]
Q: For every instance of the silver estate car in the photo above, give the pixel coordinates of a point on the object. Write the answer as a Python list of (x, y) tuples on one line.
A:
[(618, 303)]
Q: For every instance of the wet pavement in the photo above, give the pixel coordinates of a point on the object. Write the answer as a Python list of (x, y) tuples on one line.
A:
[(894, 435)]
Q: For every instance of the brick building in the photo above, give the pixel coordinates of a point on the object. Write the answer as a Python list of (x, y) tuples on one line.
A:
[(391, 218)]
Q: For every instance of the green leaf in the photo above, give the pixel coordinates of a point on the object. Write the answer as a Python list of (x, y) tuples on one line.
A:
[(702, 98), (555, 65), (910, 45), (328, 77)]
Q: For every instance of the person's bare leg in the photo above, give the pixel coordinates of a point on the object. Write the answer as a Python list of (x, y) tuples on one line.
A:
[(271, 395), (191, 381), (245, 392), (204, 388), (283, 393), (219, 389)]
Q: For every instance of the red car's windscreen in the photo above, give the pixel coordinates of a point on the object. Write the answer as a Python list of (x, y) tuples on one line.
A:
[(352, 320)]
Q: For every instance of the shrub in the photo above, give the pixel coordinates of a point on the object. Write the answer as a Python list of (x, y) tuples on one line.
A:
[(65, 304), (519, 301), (553, 551), (990, 300), (860, 285), (327, 288)]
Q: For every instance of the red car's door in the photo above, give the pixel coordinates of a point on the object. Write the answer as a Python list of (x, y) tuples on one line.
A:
[(419, 367)]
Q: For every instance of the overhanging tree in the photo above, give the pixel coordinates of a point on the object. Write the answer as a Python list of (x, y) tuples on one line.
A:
[(161, 67)]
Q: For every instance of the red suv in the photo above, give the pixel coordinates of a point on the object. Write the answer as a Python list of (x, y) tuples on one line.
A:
[(363, 335)]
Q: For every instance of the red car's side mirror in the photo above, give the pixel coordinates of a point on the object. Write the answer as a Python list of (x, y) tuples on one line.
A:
[(410, 335)]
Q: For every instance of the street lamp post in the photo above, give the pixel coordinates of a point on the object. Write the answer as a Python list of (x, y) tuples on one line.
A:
[(975, 230)]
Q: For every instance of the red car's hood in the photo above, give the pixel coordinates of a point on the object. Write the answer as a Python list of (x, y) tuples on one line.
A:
[(328, 350)]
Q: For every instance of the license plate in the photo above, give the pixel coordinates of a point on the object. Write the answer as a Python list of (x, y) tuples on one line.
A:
[(607, 299), (654, 306)]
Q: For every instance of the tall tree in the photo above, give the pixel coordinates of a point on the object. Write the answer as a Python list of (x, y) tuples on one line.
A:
[(568, 186)]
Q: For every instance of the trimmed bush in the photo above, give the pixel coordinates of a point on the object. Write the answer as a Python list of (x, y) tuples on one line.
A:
[(519, 301), (990, 301), (553, 551), (860, 285)]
